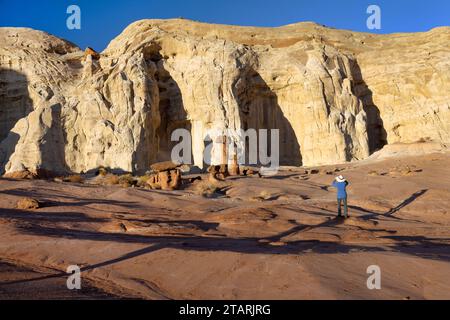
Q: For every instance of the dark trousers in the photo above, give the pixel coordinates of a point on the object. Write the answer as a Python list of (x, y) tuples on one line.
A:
[(345, 207)]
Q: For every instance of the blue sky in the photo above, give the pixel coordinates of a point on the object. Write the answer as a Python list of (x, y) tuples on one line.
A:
[(102, 20)]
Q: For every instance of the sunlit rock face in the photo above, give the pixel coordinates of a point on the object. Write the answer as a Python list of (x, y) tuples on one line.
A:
[(334, 96)]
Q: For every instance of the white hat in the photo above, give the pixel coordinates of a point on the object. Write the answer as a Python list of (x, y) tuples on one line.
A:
[(340, 179)]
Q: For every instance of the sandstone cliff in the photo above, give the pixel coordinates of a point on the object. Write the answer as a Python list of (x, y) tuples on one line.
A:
[(335, 95)]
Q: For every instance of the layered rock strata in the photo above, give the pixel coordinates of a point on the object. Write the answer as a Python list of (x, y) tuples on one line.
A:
[(334, 95)]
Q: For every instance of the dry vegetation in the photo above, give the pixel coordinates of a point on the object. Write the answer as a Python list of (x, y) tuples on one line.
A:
[(142, 180), (75, 178), (210, 189), (264, 196), (127, 181), (27, 203)]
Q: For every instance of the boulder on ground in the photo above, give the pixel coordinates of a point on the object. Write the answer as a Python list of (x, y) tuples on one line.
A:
[(165, 180), (23, 174), (153, 182), (164, 166), (219, 169), (175, 179), (249, 172), (30, 174)]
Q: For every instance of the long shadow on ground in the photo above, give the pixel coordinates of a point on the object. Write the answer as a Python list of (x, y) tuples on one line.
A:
[(428, 248)]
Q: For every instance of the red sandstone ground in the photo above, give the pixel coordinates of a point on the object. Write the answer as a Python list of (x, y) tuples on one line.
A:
[(270, 238)]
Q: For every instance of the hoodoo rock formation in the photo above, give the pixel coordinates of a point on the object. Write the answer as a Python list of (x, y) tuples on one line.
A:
[(334, 95)]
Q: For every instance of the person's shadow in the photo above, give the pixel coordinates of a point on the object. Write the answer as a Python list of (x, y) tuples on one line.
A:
[(406, 202)]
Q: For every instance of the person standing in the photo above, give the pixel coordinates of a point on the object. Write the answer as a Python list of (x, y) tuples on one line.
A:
[(340, 183)]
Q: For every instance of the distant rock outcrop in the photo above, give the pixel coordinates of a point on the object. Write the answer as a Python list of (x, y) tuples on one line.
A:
[(334, 95)]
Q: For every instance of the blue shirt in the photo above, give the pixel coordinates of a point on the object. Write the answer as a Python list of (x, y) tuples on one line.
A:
[(341, 186)]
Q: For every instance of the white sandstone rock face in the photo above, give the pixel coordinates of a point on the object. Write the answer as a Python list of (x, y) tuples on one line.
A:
[(334, 95), (408, 80), (31, 101)]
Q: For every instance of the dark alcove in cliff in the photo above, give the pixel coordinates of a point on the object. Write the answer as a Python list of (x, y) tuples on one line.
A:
[(171, 109), (375, 129), (172, 112), (15, 104), (259, 109)]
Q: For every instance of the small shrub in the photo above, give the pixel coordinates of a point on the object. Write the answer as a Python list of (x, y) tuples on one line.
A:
[(142, 180), (208, 189), (28, 204), (102, 171), (266, 195), (110, 179), (126, 180)]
